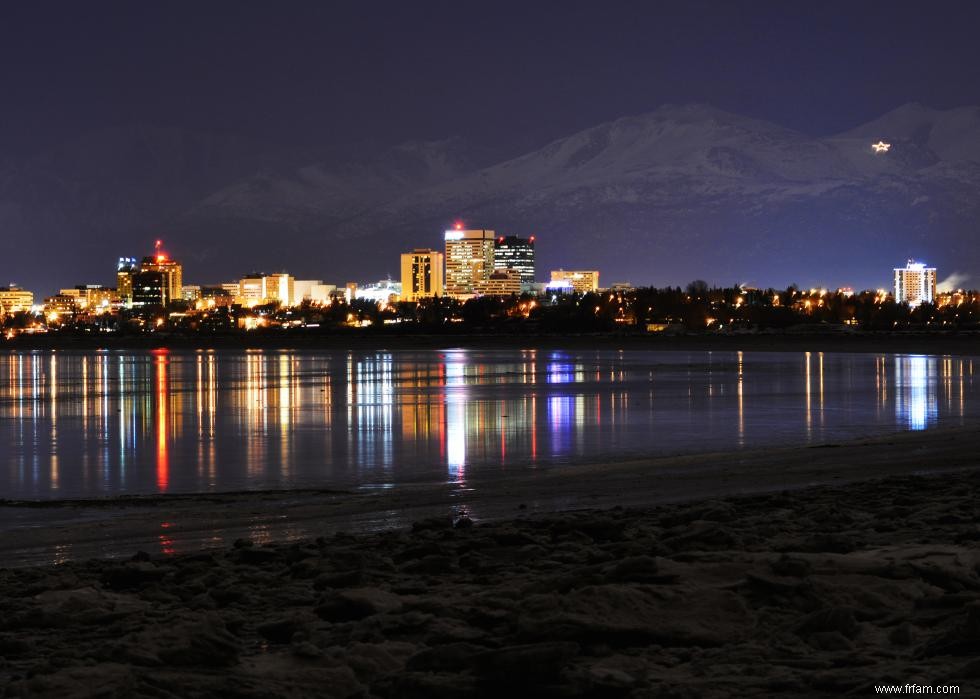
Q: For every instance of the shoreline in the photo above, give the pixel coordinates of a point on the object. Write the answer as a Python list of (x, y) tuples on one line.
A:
[(819, 591), (47, 531), (963, 343)]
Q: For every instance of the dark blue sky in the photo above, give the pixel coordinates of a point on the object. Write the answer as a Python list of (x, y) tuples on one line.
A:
[(503, 74)]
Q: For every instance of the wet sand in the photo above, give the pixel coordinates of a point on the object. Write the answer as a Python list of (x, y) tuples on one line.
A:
[(57, 531), (570, 582)]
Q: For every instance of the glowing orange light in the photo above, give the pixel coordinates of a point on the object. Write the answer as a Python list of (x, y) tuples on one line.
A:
[(161, 258), (163, 413), (459, 226)]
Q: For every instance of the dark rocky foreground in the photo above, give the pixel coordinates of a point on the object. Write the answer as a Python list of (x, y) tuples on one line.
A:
[(817, 592)]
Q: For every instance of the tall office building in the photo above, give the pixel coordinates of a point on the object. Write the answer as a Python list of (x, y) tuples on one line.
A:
[(172, 271), (125, 269), (421, 274), (151, 289), (469, 260), (511, 252), (915, 283)]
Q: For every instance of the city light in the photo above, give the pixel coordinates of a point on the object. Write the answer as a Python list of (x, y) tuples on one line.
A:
[(881, 147), (481, 265)]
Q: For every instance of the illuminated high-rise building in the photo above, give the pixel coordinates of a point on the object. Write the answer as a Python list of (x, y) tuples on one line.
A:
[(172, 271), (469, 260), (421, 274), (915, 283), (511, 252), (125, 269)]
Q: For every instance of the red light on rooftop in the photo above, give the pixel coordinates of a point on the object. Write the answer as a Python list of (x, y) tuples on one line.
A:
[(532, 238), (161, 258), (459, 226)]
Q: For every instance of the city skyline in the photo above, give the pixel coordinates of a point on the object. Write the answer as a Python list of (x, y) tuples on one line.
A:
[(158, 261)]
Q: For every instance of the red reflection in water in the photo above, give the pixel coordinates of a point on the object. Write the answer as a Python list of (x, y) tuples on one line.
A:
[(503, 445), (163, 458), (166, 543)]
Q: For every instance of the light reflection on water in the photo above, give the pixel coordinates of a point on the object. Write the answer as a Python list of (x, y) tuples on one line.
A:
[(100, 423)]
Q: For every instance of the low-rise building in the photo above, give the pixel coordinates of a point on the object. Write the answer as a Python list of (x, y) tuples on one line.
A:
[(580, 281), (384, 291), (502, 282), (13, 299)]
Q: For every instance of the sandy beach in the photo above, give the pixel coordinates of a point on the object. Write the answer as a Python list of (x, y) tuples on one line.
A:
[(746, 580)]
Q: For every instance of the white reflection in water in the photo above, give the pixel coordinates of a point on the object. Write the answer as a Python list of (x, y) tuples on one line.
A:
[(915, 383), (456, 415)]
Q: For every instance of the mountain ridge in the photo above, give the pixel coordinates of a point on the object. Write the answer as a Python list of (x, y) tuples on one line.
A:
[(681, 191)]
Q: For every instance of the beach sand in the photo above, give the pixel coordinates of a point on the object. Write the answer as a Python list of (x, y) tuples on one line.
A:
[(565, 583)]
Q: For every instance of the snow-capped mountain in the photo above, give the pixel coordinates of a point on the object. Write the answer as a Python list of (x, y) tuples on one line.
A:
[(682, 192), (691, 191)]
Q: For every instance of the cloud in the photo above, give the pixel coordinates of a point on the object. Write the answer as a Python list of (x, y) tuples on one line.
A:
[(953, 282)]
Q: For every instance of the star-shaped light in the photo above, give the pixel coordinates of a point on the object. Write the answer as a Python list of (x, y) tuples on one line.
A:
[(880, 147)]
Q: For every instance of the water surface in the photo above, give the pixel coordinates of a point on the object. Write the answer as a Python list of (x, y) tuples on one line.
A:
[(91, 424)]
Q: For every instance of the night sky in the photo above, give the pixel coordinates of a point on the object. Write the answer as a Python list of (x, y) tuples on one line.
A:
[(509, 76), (493, 72)]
